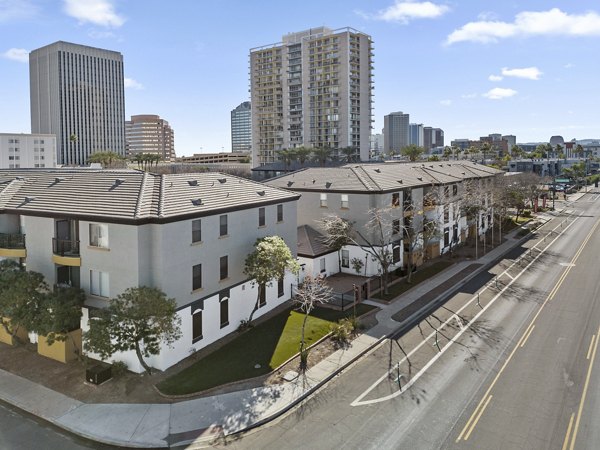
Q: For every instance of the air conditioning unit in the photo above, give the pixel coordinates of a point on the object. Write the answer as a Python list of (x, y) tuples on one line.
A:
[(98, 374)]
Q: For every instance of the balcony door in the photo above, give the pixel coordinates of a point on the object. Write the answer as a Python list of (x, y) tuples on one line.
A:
[(63, 230)]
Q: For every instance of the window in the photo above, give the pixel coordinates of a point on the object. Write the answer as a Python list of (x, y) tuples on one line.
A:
[(224, 267), (99, 283), (446, 213), (396, 226), (261, 217), (197, 277), (98, 235), (408, 199), (395, 254), (262, 299), (279, 213), (223, 225), (446, 237), (344, 201), (224, 311), (197, 325), (323, 200), (395, 199), (196, 230), (446, 191), (280, 287), (454, 189), (322, 264), (345, 258)]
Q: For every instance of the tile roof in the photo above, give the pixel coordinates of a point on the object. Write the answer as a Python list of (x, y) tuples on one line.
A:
[(311, 242), (381, 177), (130, 195)]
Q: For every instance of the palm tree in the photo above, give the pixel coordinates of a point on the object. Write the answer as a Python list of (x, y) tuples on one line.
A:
[(286, 156), (473, 151), (413, 152), (486, 150), (516, 151), (447, 152), (322, 154), (350, 153), (302, 153), (455, 151), (579, 150)]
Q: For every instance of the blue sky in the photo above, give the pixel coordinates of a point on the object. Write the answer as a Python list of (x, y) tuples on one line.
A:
[(528, 68)]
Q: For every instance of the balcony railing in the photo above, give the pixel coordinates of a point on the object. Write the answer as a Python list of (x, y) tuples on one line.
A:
[(65, 247), (16, 240)]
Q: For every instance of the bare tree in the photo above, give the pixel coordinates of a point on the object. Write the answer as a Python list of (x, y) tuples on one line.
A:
[(312, 292)]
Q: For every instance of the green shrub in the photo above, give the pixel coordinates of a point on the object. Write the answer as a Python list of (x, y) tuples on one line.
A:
[(119, 368), (341, 331), (526, 213)]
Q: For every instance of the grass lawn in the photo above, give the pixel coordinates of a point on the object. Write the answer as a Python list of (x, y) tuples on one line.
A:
[(269, 344), (418, 277)]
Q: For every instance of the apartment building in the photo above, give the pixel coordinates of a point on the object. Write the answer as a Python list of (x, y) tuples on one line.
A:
[(77, 94), (395, 132), (27, 151), (148, 133), (313, 89), (186, 234), (409, 195)]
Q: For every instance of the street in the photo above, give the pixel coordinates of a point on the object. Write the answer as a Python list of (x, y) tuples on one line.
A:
[(507, 362)]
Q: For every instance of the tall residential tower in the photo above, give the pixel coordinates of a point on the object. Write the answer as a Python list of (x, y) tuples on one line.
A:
[(77, 94), (312, 90), (395, 132)]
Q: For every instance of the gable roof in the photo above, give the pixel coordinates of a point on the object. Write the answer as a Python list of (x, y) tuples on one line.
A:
[(311, 242), (130, 195)]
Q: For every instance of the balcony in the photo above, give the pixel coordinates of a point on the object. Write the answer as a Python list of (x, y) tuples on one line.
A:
[(65, 252), (12, 245)]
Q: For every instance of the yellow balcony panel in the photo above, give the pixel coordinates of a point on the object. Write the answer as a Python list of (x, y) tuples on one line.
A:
[(13, 252), (74, 261)]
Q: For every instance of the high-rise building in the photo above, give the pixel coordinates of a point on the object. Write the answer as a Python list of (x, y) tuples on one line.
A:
[(77, 94), (313, 89), (20, 151), (148, 133), (510, 139), (432, 138), (395, 131), (241, 128), (415, 134), (376, 145)]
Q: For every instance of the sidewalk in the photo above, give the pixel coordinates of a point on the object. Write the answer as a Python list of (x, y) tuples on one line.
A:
[(204, 419)]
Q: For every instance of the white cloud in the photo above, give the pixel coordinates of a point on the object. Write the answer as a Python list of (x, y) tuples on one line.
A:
[(499, 93), (445, 102), (530, 73), (130, 83), (495, 78), (405, 11), (471, 95), (529, 23), (16, 9), (17, 54), (98, 12)]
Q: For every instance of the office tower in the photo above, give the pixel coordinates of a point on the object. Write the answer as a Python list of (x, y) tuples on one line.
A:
[(148, 133), (395, 132), (510, 139), (241, 128), (438, 137), (313, 89), (415, 134), (76, 93)]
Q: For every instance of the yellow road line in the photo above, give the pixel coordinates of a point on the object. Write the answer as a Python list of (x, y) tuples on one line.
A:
[(552, 293), (566, 443), (591, 347), (527, 336), (478, 417), (584, 393)]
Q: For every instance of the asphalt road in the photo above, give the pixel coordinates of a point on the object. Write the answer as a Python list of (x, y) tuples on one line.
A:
[(472, 384), (21, 432)]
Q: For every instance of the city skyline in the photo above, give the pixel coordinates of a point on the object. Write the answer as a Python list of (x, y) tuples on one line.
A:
[(523, 68)]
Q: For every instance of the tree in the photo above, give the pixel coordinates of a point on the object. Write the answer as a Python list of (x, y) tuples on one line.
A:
[(338, 237), (322, 154), (21, 294), (447, 152), (515, 151), (579, 150), (60, 313), (433, 158), (456, 151), (412, 151), (486, 150), (140, 319), (303, 154), (287, 156), (376, 240), (350, 153), (312, 292), (473, 150), (576, 172), (270, 260)]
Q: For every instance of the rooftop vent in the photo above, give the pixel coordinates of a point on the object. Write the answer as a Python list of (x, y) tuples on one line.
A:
[(119, 181), (222, 180), (197, 201), (314, 181), (29, 199), (420, 178), (59, 179), (378, 170), (193, 182), (261, 193), (327, 185), (20, 178), (290, 183), (399, 181)]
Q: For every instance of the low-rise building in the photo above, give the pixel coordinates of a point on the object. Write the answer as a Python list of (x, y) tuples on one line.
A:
[(186, 234), (19, 150)]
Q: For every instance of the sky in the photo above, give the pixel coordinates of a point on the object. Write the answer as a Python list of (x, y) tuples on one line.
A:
[(470, 67)]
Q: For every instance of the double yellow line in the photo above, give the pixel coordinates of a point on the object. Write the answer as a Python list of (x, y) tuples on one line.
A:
[(482, 405)]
